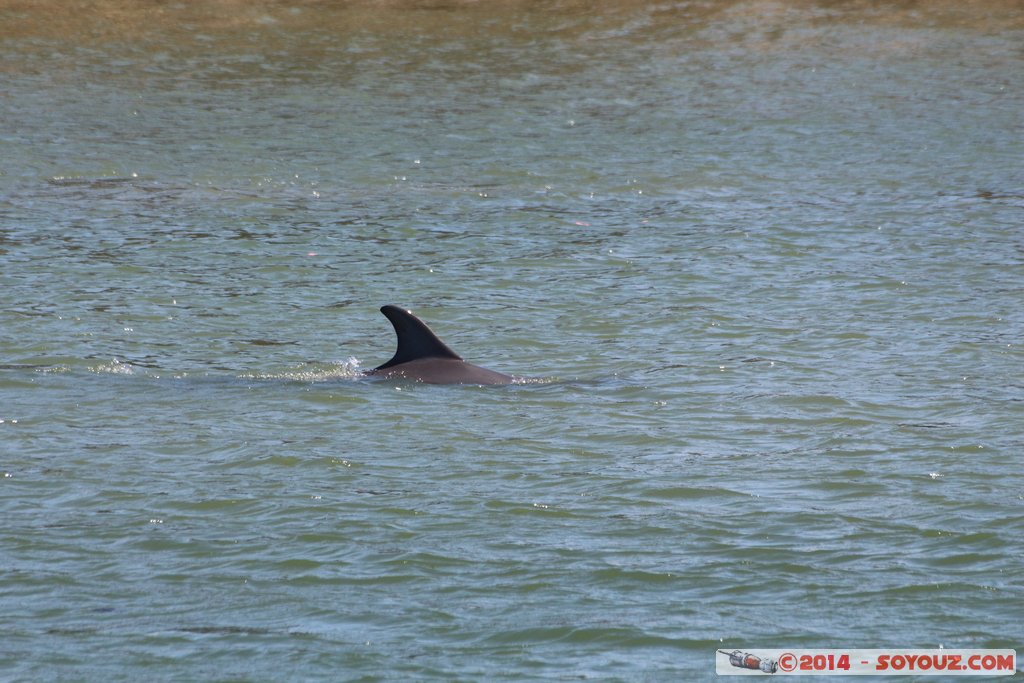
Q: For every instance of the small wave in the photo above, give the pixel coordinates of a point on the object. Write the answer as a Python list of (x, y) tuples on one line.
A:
[(53, 369), (535, 380), (114, 367), (313, 372)]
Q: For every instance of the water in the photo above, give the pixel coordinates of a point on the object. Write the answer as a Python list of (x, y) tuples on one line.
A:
[(765, 264)]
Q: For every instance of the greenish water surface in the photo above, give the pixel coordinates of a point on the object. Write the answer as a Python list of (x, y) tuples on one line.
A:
[(763, 263)]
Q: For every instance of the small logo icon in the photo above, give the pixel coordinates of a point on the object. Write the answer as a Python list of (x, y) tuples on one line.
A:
[(745, 660)]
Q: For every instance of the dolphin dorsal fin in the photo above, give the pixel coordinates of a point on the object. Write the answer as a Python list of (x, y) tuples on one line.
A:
[(415, 340)]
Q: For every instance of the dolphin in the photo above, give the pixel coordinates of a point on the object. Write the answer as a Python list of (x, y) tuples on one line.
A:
[(422, 357)]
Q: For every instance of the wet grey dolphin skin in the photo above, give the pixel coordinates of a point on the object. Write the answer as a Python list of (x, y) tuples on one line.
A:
[(422, 357)]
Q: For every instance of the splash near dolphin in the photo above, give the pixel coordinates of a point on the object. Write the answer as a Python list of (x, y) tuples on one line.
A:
[(422, 357)]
